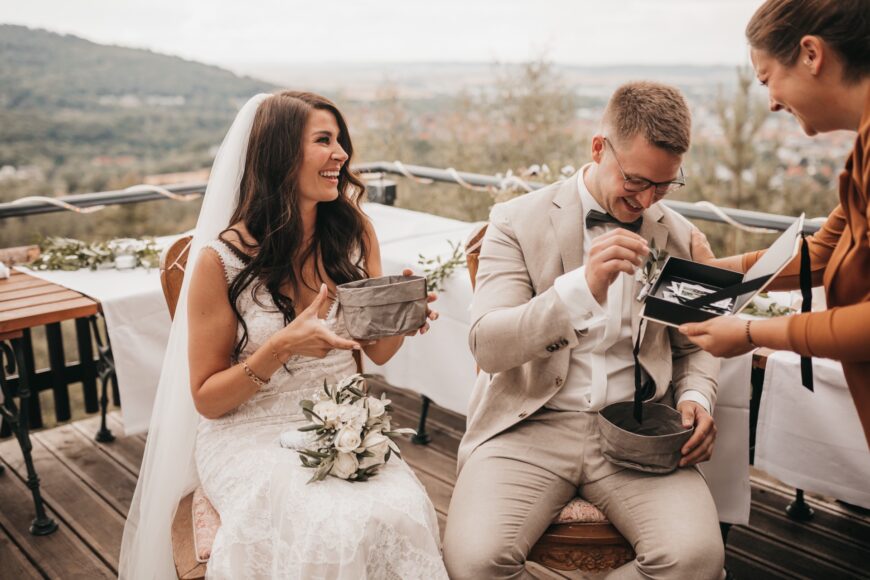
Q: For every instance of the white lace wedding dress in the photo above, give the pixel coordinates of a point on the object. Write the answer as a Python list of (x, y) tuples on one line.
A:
[(273, 524)]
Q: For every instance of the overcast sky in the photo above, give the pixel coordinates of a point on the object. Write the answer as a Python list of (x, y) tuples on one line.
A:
[(314, 31)]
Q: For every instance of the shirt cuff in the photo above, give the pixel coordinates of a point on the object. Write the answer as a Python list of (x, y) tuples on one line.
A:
[(696, 397), (573, 290)]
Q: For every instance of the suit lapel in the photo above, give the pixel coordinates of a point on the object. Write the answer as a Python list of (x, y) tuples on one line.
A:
[(652, 229), (566, 221)]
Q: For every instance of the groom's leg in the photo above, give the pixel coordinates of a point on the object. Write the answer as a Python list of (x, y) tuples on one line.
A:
[(501, 505), (670, 520)]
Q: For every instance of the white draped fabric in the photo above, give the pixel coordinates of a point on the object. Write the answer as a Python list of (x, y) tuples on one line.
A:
[(812, 440)]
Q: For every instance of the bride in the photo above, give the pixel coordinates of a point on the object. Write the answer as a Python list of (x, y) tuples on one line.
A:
[(255, 334)]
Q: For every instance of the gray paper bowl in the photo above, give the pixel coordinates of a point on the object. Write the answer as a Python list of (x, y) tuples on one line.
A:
[(653, 446), (379, 307)]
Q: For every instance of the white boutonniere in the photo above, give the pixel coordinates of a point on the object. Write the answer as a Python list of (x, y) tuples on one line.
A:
[(647, 274)]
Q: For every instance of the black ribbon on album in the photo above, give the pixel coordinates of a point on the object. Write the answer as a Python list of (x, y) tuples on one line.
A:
[(806, 279)]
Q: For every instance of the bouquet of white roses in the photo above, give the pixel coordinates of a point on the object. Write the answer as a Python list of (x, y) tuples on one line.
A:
[(350, 432)]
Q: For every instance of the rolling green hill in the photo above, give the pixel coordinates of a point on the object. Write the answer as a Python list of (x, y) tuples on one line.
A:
[(67, 100)]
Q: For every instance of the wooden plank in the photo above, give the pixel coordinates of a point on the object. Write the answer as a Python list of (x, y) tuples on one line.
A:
[(444, 440), (126, 451), (852, 555), (430, 460), (847, 527), (62, 554), (23, 282), (47, 313), (411, 402), (746, 566), (13, 562), (80, 454), (80, 509), (36, 300), (36, 291), (439, 492), (782, 558)]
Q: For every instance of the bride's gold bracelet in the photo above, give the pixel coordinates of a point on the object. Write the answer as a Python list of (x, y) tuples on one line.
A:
[(277, 358), (254, 378)]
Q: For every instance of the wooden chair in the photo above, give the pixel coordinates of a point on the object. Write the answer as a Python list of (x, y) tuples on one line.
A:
[(581, 538), (187, 566)]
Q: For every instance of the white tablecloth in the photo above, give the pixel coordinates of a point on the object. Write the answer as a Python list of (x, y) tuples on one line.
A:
[(812, 440), (437, 364)]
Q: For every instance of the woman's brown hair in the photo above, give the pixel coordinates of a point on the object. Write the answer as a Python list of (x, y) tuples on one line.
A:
[(269, 208), (778, 26)]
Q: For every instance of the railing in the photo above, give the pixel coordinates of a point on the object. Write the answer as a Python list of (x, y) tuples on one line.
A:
[(60, 374), (383, 192)]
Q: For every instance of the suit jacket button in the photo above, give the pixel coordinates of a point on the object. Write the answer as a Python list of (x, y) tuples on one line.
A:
[(550, 348), (558, 381), (523, 415), (563, 342)]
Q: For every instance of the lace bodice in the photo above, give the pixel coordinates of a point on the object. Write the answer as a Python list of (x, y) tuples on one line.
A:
[(303, 375)]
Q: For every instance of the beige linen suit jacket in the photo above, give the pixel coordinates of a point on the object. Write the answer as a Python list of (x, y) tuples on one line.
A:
[(521, 335)]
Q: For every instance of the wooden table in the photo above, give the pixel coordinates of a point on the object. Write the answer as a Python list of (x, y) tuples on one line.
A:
[(27, 302)]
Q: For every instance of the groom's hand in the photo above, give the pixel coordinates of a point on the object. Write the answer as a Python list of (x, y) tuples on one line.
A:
[(430, 314), (615, 252), (699, 447)]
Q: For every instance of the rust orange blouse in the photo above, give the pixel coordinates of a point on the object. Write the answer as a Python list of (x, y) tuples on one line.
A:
[(840, 257)]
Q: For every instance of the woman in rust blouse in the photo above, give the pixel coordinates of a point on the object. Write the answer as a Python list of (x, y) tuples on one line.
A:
[(814, 58)]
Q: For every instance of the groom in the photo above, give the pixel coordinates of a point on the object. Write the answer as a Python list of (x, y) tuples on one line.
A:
[(554, 322)]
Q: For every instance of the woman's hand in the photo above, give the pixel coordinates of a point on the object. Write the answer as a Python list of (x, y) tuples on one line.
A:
[(307, 335), (723, 336), (430, 314), (701, 250)]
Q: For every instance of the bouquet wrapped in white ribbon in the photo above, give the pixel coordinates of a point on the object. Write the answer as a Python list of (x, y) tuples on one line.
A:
[(350, 434)]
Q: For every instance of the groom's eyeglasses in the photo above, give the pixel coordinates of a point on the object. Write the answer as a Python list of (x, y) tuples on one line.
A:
[(639, 184)]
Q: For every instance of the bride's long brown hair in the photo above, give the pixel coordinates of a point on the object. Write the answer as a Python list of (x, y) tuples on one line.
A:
[(269, 208)]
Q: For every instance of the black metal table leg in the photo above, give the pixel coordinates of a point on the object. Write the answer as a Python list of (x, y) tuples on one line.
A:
[(18, 419), (106, 376), (422, 438), (799, 509)]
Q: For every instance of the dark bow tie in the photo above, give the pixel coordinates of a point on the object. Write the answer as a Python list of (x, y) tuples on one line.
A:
[(596, 218)]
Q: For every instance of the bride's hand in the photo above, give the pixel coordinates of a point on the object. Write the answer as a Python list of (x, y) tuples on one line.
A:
[(307, 335), (430, 313)]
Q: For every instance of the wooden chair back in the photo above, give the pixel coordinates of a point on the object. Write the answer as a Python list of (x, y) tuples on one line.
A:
[(172, 264)]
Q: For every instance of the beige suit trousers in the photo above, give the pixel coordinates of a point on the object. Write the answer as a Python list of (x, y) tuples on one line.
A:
[(513, 486)]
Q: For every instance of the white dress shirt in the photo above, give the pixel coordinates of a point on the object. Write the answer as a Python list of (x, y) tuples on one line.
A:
[(602, 365)]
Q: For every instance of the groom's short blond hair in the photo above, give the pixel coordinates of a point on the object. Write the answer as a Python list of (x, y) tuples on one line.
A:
[(658, 112)]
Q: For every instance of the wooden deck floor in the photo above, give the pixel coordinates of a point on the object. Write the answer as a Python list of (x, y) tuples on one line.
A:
[(88, 487)]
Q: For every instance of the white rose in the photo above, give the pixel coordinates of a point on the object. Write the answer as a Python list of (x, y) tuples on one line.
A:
[(345, 465), (351, 416), (376, 407), (347, 440), (328, 411), (376, 444)]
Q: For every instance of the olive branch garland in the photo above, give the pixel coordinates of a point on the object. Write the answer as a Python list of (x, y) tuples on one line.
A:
[(437, 271), (58, 253)]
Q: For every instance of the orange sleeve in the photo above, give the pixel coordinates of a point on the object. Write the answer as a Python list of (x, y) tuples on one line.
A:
[(841, 333), (822, 245)]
